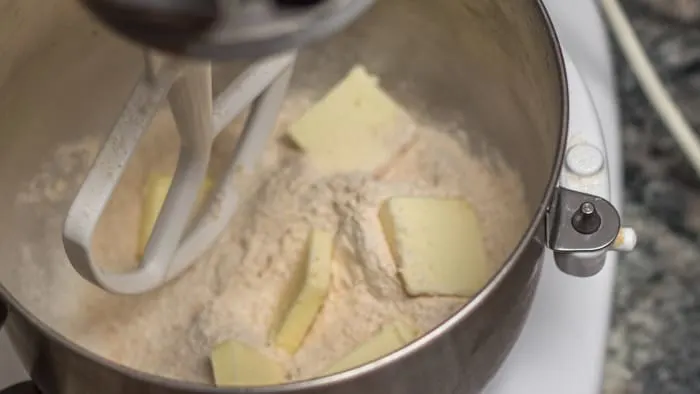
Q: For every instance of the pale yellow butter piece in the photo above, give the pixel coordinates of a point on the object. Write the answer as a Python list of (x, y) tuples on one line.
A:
[(390, 338), (237, 364), (355, 127), (155, 192), (305, 293), (437, 244)]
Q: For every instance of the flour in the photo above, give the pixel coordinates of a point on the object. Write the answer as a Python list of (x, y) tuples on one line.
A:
[(233, 289)]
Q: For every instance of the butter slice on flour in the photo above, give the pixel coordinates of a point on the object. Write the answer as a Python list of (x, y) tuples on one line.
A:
[(437, 245), (305, 293), (355, 127), (237, 364)]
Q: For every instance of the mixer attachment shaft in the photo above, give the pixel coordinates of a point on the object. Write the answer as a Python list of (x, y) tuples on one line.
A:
[(176, 242)]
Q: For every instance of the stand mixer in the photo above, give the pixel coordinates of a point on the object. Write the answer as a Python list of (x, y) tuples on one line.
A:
[(205, 30), (520, 94)]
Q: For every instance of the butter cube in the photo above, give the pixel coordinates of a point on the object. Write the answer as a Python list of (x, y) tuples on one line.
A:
[(154, 197), (390, 338), (437, 245), (237, 364), (355, 127), (305, 293)]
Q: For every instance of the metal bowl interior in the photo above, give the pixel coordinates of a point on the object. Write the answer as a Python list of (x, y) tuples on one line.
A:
[(492, 67)]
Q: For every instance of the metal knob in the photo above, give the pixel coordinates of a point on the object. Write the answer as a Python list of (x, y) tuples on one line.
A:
[(586, 220)]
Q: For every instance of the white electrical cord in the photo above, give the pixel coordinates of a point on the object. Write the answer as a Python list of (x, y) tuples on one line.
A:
[(650, 82)]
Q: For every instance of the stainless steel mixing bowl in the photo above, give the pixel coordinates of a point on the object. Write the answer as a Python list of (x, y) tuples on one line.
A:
[(491, 66)]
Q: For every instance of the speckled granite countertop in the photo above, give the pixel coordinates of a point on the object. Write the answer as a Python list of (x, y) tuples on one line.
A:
[(655, 340)]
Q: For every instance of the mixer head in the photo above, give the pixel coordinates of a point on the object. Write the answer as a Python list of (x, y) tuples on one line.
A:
[(225, 29)]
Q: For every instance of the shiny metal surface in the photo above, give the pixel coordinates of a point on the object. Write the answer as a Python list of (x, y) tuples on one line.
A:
[(491, 66), (226, 29), (580, 227)]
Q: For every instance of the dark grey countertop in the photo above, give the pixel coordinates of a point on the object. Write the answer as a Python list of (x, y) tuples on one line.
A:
[(654, 345)]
